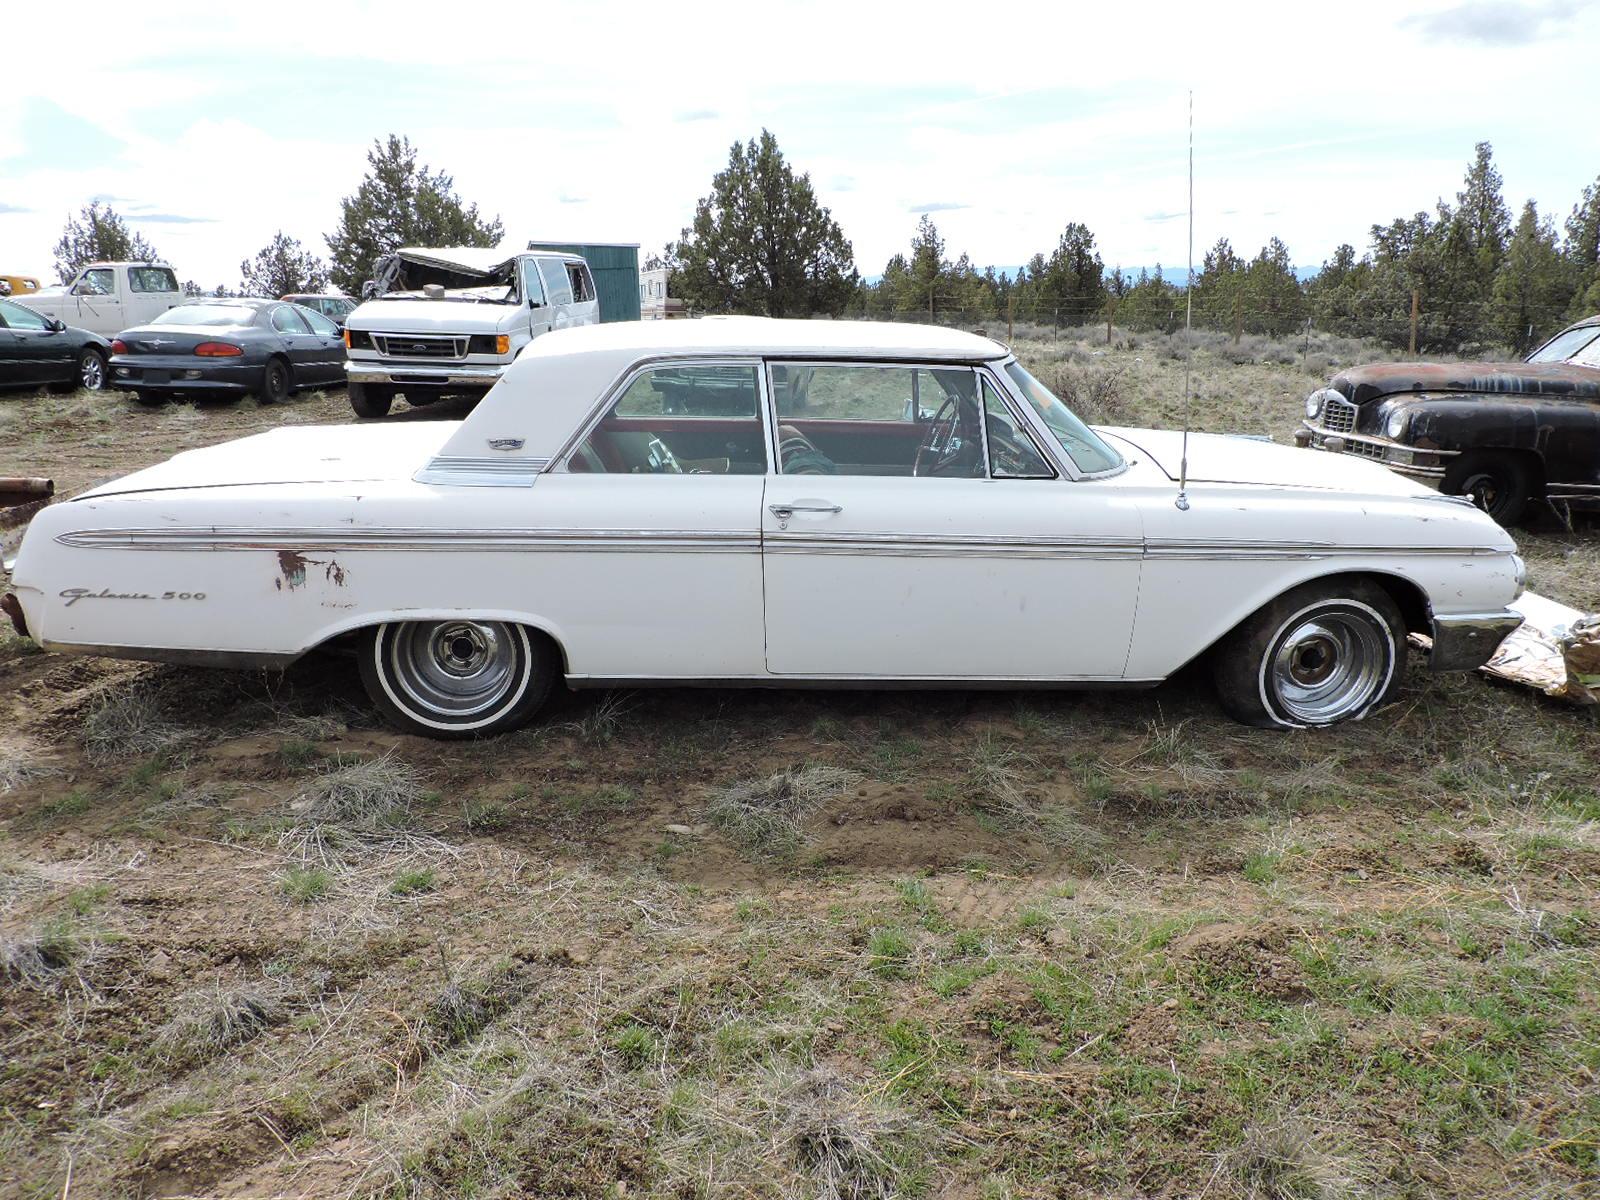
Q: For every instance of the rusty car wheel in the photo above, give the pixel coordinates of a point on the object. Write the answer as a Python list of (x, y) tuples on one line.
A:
[(1500, 484), (457, 678)]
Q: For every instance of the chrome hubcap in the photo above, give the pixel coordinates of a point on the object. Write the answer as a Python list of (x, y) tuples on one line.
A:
[(455, 668), (1330, 666), (93, 373)]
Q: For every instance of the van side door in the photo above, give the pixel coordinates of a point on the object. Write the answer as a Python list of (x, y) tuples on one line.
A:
[(559, 291), (540, 310)]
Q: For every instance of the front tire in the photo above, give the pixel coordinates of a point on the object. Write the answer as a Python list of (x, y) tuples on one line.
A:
[(370, 399), (1322, 653), (457, 678), (88, 373), (275, 382), (1500, 484)]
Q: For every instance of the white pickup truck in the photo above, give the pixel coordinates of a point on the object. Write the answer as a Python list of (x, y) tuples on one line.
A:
[(449, 322), (108, 297)]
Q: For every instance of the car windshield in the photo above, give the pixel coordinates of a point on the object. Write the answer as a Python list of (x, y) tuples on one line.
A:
[(1567, 345), (1084, 445), (206, 314)]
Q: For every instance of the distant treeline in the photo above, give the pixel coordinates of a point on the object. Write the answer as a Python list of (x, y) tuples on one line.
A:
[(1472, 278)]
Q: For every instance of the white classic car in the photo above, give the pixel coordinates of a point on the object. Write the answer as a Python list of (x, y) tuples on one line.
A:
[(773, 503)]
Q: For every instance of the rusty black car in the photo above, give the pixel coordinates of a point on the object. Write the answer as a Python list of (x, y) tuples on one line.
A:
[(1505, 434)]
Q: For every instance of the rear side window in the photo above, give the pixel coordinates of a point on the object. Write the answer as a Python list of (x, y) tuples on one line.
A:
[(152, 279), (287, 320), (557, 287), (582, 284), (690, 420)]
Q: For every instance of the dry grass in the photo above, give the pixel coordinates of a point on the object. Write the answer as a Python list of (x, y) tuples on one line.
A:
[(848, 1146), (130, 723), (767, 816), (41, 959), (208, 1021), (1289, 1160)]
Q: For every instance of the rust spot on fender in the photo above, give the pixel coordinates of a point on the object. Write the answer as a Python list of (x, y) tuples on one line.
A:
[(291, 569)]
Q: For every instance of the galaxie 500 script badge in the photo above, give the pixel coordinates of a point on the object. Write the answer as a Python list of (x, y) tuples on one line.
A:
[(73, 595)]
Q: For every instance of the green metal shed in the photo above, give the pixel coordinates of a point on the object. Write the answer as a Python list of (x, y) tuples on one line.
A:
[(615, 267)]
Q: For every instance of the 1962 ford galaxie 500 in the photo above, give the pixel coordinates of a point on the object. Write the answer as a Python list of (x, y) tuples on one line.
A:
[(779, 503)]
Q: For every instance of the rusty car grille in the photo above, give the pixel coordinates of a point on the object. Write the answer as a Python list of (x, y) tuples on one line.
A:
[(415, 345), (1339, 416)]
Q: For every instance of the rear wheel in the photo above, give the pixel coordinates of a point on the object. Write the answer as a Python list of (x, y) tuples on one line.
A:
[(457, 678), (1324, 652), (370, 399), (1500, 484), (275, 382)]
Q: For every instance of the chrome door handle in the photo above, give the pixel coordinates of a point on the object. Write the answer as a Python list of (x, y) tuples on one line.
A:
[(784, 511)]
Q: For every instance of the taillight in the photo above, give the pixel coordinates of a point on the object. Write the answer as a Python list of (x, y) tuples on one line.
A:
[(119, 346), (218, 350)]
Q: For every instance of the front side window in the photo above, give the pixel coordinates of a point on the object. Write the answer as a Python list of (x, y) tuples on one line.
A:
[(152, 279), (556, 285), (1084, 445), (532, 288), (1013, 453), (15, 316), (319, 323), (847, 419), (100, 281), (699, 419)]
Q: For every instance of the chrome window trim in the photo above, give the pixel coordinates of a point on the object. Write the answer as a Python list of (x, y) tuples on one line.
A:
[(560, 461)]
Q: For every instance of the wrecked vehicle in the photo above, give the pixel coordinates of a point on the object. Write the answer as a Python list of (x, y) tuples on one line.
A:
[(1504, 434), (449, 322), (772, 503)]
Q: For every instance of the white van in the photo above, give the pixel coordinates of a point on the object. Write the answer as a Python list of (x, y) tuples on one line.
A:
[(449, 322)]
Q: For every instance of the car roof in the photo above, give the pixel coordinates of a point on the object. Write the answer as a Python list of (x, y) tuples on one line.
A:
[(557, 379)]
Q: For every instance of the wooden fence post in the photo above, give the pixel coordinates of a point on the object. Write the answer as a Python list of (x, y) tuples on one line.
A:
[(1416, 300), (1238, 319), (1011, 304)]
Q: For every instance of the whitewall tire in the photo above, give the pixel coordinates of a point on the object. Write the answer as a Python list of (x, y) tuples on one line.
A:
[(457, 678)]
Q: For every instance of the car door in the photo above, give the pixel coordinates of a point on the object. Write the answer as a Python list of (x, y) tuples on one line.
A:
[(914, 529), (96, 297), (329, 363), (558, 290), (649, 529), (303, 347), (38, 351), (13, 367)]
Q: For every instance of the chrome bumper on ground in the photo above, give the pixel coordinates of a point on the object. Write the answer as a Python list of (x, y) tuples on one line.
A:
[(1408, 460), (434, 376), (1464, 642)]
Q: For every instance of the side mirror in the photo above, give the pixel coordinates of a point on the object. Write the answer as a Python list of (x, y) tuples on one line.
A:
[(57, 325)]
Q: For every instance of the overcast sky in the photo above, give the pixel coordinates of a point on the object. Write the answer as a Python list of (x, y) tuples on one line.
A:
[(210, 127)]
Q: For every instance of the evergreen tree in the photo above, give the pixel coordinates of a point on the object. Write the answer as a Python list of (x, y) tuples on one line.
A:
[(281, 267), (1582, 254), (1273, 302), (1531, 288), (926, 270), (761, 243), (98, 234), (400, 203), (1219, 288), (1481, 215), (1071, 282)]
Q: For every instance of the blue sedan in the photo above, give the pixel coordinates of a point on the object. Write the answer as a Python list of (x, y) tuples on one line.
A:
[(227, 349)]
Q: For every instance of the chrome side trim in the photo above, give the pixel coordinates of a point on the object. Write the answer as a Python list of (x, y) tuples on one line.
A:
[(464, 471), (1180, 548), (1465, 641), (938, 546), (872, 682), (453, 540)]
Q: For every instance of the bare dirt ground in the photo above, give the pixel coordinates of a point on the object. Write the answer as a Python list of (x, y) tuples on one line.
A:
[(711, 944)]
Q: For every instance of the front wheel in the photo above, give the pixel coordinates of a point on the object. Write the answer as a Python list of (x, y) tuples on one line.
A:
[(1500, 484), (457, 678), (1321, 653), (88, 373), (370, 399)]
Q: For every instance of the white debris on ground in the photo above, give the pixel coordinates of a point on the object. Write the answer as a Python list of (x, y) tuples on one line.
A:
[(1556, 649)]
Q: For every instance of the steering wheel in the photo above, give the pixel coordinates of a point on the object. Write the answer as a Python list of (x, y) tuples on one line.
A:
[(942, 444)]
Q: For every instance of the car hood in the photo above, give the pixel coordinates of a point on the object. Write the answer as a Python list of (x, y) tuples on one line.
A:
[(297, 454), (432, 316), (1220, 458), (1362, 385)]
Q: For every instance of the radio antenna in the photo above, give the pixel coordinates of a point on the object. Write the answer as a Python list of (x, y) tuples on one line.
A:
[(1188, 327)]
